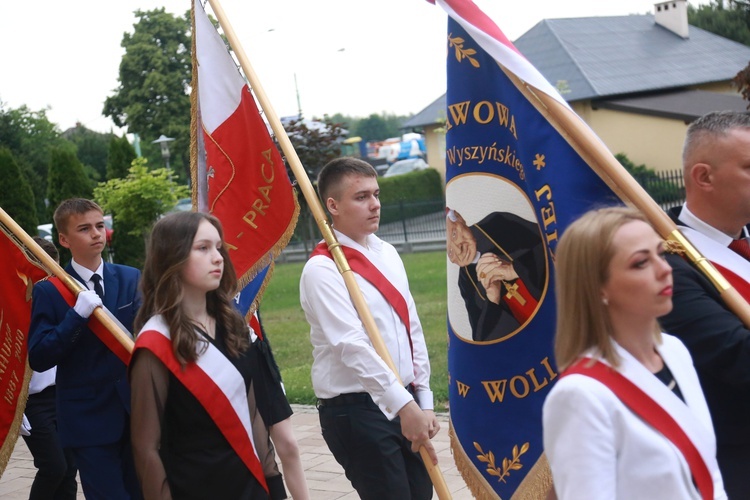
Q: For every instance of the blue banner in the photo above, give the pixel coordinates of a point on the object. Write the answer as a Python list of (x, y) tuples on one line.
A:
[(513, 184)]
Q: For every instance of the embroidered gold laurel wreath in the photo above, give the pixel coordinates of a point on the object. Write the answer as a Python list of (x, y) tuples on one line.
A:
[(461, 52), (508, 465)]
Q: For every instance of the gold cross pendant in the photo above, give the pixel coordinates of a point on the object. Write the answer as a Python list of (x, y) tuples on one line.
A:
[(513, 293)]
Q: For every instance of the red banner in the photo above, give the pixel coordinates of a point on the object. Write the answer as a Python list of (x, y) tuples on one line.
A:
[(16, 281)]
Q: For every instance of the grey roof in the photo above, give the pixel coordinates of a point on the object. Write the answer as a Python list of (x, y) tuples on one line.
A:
[(607, 56), (686, 105), (431, 115)]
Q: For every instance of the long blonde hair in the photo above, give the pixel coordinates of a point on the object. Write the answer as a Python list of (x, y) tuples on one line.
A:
[(582, 262)]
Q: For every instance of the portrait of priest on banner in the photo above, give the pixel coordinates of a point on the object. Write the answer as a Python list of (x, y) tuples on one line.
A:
[(502, 271)]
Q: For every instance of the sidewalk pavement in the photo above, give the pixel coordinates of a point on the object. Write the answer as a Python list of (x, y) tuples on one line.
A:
[(325, 477)]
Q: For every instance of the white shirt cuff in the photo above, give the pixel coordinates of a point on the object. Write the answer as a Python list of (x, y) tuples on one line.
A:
[(395, 398)]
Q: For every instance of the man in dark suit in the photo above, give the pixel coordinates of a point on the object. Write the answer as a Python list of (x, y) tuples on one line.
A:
[(93, 396), (716, 168), (503, 270)]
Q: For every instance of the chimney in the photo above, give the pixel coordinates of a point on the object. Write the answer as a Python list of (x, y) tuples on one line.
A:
[(673, 16)]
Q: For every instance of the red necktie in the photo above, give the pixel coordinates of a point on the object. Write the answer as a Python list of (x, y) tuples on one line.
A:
[(742, 247)]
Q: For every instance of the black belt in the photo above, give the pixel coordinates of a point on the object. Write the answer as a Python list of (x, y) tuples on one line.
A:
[(353, 398)]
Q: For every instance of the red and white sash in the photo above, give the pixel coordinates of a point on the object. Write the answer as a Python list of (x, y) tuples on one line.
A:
[(96, 326), (361, 265), (216, 384), (687, 425), (735, 268), (649, 410)]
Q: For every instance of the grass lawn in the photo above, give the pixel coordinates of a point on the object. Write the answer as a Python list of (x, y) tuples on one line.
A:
[(289, 332)]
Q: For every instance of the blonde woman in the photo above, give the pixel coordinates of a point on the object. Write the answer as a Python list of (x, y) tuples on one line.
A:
[(627, 418)]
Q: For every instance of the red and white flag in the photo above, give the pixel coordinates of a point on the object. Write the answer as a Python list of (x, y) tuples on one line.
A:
[(240, 176)]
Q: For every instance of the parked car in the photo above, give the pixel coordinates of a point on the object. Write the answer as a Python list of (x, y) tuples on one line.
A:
[(45, 231), (406, 166), (183, 205)]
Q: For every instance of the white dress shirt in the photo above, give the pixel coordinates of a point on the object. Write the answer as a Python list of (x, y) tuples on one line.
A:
[(344, 360), (86, 273)]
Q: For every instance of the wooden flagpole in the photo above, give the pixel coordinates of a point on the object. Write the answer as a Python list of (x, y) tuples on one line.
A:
[(333, 245), (49, 263), (591, 148)]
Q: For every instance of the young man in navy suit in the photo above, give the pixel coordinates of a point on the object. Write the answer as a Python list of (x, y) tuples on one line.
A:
[(93, 396)]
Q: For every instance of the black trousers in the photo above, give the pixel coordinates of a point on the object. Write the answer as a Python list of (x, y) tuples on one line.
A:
[(56, 474), (376, 457)]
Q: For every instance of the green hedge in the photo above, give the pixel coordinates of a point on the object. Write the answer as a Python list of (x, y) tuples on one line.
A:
[(410, 195), (423, 185)]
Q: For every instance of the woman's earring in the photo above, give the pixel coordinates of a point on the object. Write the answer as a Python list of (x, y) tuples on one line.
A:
[(605, 301)]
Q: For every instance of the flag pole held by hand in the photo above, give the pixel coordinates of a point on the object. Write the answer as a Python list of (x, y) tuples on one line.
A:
[(312, 199), (53, 267)]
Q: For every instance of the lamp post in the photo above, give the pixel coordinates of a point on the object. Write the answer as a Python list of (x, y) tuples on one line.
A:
[(163, 141)]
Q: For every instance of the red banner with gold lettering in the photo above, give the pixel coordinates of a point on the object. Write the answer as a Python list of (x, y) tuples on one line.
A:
[(17, 278)]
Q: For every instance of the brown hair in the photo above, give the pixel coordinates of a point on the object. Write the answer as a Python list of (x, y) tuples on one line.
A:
[(48, 247), (168, 250), (72, 206), (331, 175), (582, 268)]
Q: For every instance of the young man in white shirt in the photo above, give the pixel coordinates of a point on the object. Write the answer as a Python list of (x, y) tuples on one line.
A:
[(373, 424)]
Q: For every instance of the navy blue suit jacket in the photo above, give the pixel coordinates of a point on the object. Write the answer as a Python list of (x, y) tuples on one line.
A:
[(93, 395), (720, 346)]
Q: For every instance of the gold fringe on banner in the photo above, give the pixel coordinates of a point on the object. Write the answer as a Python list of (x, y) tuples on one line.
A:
[(6, 450), (536, 485), (478, 485)]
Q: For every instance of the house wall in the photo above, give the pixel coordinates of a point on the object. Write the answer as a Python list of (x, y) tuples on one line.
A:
[(434, 139), (653, 141), (725, 87)]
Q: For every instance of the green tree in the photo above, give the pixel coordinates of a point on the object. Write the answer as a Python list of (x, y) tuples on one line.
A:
[(316, 142), (120, 157), (30, 136), (731, 20), (728, 19), (315, 145), (136, 202), (91, 149), (17, 198), (379, 127), (155, 73), (372, 128), (347, 122)]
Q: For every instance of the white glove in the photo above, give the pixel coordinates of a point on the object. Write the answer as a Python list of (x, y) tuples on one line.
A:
[(25, 427), (87, 301)]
